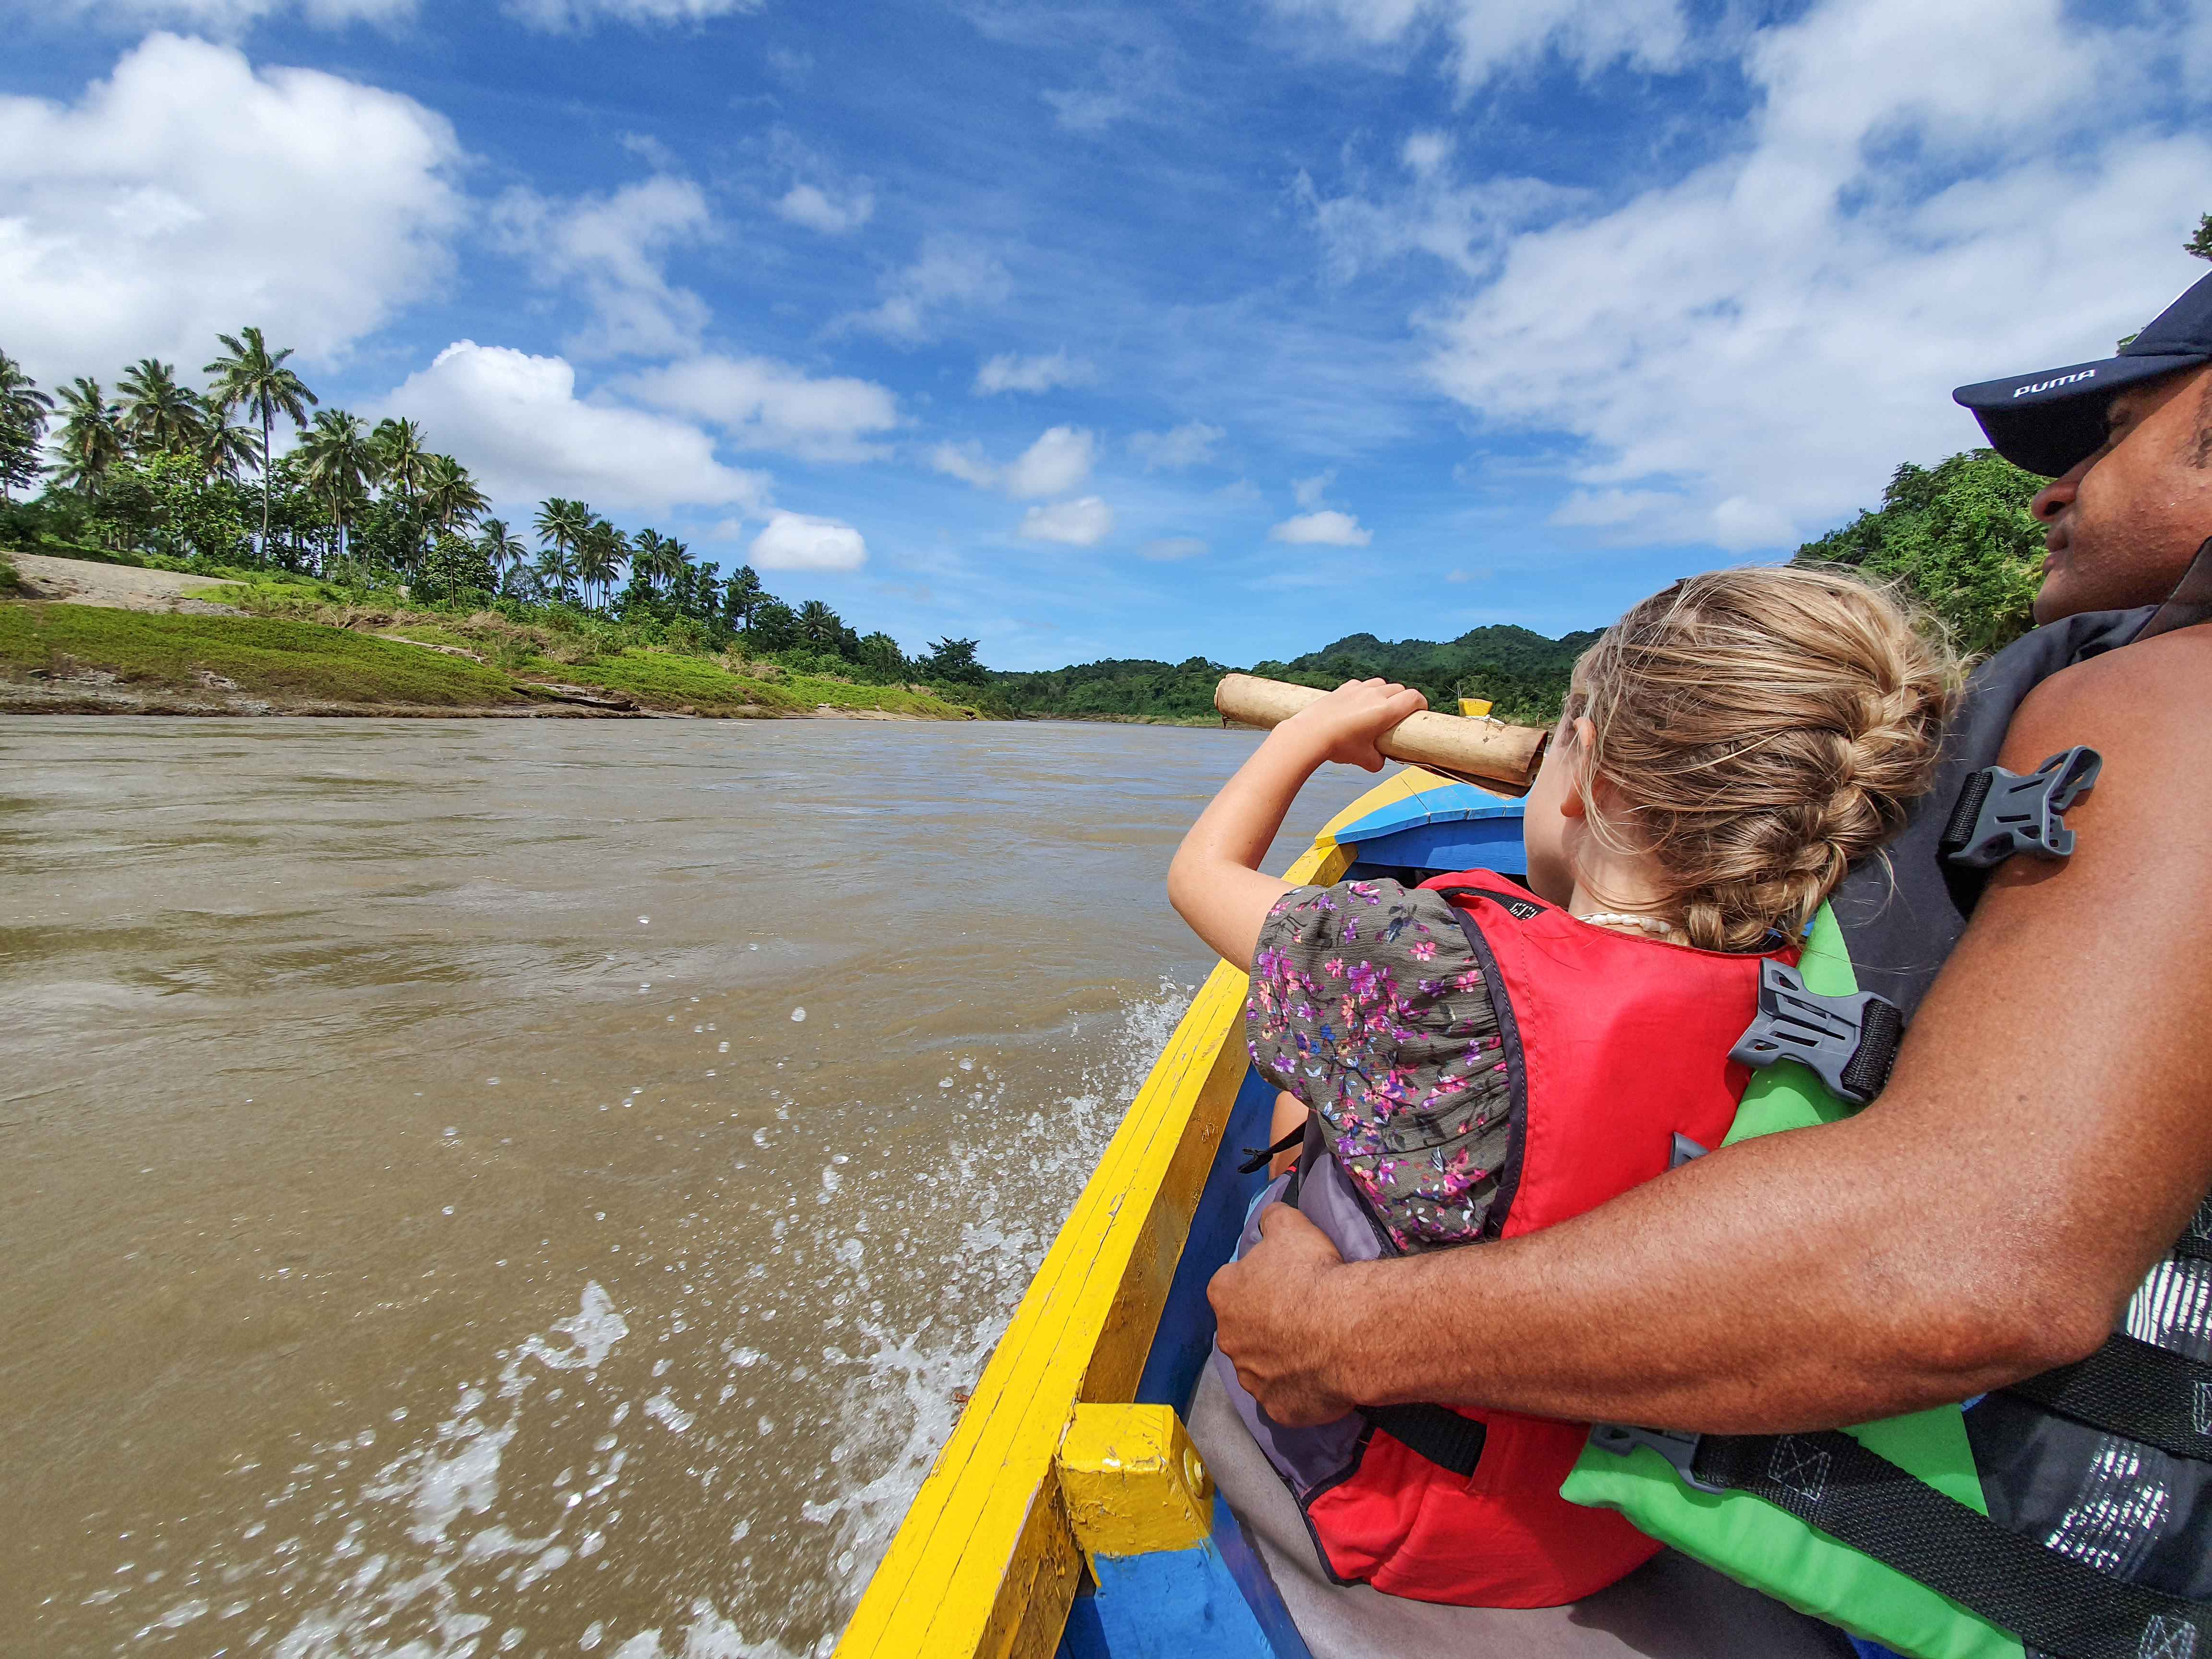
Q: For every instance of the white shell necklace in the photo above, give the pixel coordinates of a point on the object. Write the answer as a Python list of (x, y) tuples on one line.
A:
[(1651, 925)]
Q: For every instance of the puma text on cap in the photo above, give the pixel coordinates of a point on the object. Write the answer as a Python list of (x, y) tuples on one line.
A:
[(2047, 421)]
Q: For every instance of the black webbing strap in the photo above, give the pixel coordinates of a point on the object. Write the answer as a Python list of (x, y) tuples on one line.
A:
[(1257, 1156), (1441, 1434), (2051, 1602), (2131, 1388)]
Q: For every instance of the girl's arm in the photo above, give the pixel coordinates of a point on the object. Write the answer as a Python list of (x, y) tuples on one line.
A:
[(1215, 884)]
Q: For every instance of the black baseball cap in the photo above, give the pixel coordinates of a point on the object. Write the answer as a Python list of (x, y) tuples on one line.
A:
[(2048, 422)]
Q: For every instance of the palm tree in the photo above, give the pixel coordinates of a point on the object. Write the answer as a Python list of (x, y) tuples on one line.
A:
[(255, 377), (450, 495), (599, 555), (555, 570), (820, 627), (22, 403), (23, 412), (339, 464), (159, 415), (92, 435), (402, 461), (563, 524), (225, 447), (646, 559), (661, 558), (502, 549)]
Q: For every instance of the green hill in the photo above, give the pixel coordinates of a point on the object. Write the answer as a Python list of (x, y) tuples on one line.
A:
[(1524, 673)]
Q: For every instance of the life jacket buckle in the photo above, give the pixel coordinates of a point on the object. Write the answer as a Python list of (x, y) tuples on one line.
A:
[(1677, 1446), (2000, 813), (1848, 1043)]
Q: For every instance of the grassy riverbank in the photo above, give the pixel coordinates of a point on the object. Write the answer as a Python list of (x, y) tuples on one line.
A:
[(338, 659)]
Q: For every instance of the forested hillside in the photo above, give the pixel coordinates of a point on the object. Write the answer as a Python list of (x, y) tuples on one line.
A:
[(1523, 673), (1959, 536)]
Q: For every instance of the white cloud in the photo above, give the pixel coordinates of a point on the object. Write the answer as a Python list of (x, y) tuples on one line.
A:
[(1057, 462), (1086, 109), (1169, 548), (1604, 508), (560, 16), (966, 462), (1189, 445), (188, 194), (797, 541), (1428, 211), (1084, 522), (516, 420), (949, 272), (224, 19), (1487, 37), (1008, 372), (612, 249), (761, 404), (1308, 492), (1327, 528), (1748, 351), (833, 216)]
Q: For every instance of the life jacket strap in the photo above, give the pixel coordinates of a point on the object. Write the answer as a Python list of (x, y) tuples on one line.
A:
[(2001, 813), (1848, 1043), (1436, 1433), (2130, 1388), (2054, 1603), (1257, 1156)]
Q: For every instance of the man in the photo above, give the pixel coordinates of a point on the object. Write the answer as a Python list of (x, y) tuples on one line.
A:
[(2047, 1131)]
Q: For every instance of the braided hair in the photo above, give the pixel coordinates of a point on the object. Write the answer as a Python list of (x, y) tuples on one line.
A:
[(1760, 729)]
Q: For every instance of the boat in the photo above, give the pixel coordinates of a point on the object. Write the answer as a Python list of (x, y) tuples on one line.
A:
[(1068, 1513)]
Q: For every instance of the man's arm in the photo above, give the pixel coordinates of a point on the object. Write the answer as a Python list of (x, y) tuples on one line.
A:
[(2046, 1134)]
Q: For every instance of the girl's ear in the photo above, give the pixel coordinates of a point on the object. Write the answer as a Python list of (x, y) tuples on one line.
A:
[(1578, 736)]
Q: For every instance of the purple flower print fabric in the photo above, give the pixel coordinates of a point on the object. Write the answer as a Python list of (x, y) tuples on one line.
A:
[(1368, 1004)]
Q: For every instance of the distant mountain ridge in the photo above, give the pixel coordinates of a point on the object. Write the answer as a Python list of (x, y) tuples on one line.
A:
[(1523, 672)]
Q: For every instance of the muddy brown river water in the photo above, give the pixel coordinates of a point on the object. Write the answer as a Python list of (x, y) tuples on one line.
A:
[(512, 1187)]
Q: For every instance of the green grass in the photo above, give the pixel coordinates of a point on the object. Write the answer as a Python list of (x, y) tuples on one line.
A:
[(662, 679), (284, 662), (292, 662)]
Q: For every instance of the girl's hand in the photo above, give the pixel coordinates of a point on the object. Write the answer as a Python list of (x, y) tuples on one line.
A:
[(1348, 724)]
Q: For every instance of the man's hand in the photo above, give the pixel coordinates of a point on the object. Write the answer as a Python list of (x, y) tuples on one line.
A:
[(1271, 1308), (1348, 724)]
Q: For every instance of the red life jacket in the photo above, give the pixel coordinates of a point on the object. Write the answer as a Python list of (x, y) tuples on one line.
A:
[(1614, 1045)]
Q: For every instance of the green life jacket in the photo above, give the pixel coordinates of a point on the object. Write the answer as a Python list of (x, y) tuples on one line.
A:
[(2069, 1515)]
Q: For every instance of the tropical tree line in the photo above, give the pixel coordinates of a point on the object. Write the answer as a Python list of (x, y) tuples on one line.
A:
[(160, 466)]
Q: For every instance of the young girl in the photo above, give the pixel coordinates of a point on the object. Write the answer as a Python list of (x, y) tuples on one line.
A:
[(1472, 1059)]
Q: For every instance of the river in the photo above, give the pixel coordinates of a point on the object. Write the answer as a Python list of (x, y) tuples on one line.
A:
[(539, 1187)]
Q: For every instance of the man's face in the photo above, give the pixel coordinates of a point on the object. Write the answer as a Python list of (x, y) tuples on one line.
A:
[(2122, 526)]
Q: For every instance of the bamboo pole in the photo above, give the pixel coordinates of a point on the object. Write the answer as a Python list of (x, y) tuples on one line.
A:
[(1490, 752)]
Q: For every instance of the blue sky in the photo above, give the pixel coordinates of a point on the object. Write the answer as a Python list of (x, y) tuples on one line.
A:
[(1095, 329)]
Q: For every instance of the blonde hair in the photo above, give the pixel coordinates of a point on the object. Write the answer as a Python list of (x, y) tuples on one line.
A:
[(1761, 730)]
